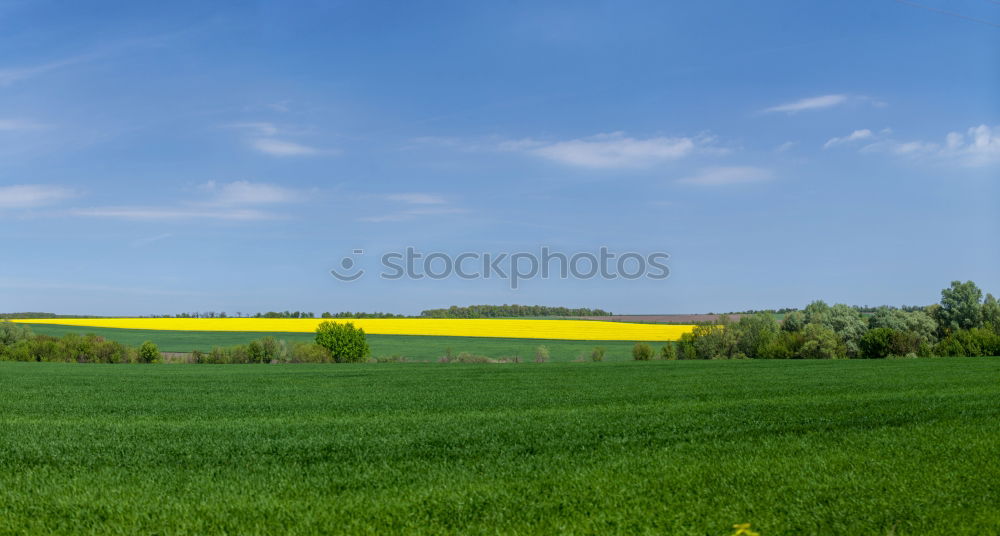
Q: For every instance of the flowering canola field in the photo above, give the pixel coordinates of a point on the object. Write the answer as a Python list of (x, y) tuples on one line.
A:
[(575, 330)]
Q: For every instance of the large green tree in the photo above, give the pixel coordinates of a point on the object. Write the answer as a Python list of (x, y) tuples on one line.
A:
[(918, 323), (821, 342), (11, 333), (847, 323), (961, 307), (991, 313), (794, 321), (815, 312), (755, 333), (346, 343)]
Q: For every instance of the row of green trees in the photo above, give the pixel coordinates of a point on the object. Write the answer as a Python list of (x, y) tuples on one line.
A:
[(964, 323), (18, 343), (507, 311), (36, 315), (335, 343), (265, 350)]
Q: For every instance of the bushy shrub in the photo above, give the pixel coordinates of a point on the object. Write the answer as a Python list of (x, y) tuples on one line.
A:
[(71, 348), (686, 348), (104, 351), (346, 343), (918, 323), (46, 348), (642, 352), (390, 359), (991, 313), (306, 352), (465, 357), (715, 340), (597, 354), (849, 326), (668, 352), (265, 350), (273, 349), (976, 342), (877, 343), (254, 352), (821, 342), (541, 354), (218, 356), (754, 333), (794, 321), (11, 333), (786, 345), (149, 353), (19, 351)]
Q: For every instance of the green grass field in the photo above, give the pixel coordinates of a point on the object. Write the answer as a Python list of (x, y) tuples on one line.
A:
[(793, 447), (413, 347)]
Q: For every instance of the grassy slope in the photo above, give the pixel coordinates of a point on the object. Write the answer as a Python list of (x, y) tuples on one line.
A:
[(809, 447), (410, 346)]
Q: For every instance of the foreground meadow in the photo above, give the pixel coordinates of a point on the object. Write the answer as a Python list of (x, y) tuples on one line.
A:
[(801, 447)]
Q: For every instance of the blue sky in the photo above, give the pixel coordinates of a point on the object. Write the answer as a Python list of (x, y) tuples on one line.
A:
[(208, 156)]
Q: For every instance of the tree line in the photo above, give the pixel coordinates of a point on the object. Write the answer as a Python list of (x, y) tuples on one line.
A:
[(472, 311), (335, 343), (507, 311), (861, 308), (963, 323), (18, 343)]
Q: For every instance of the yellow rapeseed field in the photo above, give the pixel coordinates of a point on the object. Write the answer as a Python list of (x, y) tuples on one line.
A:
[(577, 330)]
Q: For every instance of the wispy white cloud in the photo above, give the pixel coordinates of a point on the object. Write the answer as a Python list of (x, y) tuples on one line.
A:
[(720, 176), (11, 75), (248, 193), (419, 205), (785, 147), (259, 128), (613, 150), (280, 106), (19, 125), (449, 142), (145, 241), (413, 213), (270, 139), (23, 196), (862, 134), (188, 214), (276, 147), (234, 201), (977, 146), (417, 198), (811, 103), (21, 284)]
